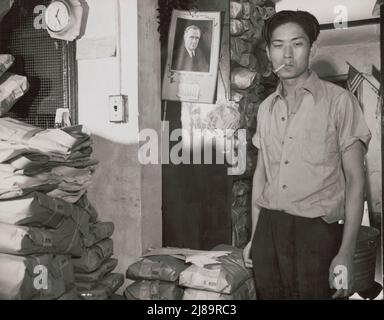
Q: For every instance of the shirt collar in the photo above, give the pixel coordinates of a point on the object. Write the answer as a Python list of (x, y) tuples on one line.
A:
[(311, 85)]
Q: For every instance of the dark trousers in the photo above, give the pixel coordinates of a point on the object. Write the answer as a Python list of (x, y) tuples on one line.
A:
[(291, 256)]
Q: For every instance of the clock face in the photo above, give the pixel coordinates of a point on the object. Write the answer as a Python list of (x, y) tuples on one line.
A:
[(57, 16)]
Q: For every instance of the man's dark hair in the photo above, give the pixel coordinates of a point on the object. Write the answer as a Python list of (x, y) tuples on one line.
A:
[(304, 19)]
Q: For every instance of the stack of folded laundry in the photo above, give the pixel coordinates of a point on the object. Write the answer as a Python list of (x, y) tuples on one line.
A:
[(175, 274), (12, 86), (46, 217), (38, 236), (94, 277), (229, 279), (156, 278), (53, 161)]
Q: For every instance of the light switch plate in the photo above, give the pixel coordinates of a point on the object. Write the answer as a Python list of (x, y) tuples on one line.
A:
[(117, 108)]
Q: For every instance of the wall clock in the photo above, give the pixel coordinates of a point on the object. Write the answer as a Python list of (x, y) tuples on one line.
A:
[(63, 19)]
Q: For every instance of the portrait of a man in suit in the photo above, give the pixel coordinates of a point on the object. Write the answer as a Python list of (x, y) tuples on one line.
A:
[(190, 56)]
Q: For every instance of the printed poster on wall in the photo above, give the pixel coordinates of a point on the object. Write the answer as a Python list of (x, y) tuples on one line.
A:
[(193, 57)]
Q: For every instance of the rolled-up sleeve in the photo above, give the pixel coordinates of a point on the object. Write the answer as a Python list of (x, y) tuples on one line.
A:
[(350, 122)]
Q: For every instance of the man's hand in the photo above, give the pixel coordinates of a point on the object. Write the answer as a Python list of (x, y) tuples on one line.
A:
[(341, 276), (247, 255)]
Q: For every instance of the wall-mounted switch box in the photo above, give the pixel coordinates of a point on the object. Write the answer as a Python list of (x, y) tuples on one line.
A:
[(117, 108)]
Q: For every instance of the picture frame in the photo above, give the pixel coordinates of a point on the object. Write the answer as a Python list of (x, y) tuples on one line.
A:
[(192, 57)]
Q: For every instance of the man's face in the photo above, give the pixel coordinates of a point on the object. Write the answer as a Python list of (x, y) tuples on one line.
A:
[(290, 45), (191, 39)]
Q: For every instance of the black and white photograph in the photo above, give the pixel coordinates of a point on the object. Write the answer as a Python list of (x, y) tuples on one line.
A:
[(205, 151), (192, 51), (193, 57)]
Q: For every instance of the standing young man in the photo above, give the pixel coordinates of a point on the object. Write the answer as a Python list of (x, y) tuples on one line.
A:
[(312, 137)]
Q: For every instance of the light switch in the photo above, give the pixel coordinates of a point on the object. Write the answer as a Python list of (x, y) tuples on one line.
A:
[(117, 107)]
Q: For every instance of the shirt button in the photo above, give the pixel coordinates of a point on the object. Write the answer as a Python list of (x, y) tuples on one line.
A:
[(283, 119), (290, 138), (286, 162), (285, 187)]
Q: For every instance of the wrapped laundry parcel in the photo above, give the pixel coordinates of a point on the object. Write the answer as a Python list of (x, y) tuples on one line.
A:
[(100, 290), (56, 143), (226, 276), (153, 290), (40, 210), (245, 292), (18, 276), (21, 240), (106, 267), (97, 232), (164, 268), (93, 257), (12, 88), (67, 183), (6, 61)]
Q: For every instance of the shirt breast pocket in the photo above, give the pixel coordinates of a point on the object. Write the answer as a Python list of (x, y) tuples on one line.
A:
[(318, 147), (272, 150)]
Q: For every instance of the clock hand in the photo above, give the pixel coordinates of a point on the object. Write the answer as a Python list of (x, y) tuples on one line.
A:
[(57, 13)]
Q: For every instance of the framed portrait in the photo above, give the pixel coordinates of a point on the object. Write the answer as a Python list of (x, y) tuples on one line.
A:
[(193, 56)]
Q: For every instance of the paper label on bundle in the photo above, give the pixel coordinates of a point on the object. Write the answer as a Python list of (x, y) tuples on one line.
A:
[(206, 277)]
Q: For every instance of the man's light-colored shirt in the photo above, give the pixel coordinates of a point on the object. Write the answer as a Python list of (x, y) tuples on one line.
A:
[(302, 151)]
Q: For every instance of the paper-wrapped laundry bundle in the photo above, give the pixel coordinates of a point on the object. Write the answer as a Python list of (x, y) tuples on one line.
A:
[(245, 292), (34, 277), (6, 61), (56, 162), (59, 144), (97, 232), (85, 204), (93, 257), (224, 277), (12, 88), (106, 267), (153, 290), (21, 240), (165, 274), (164, 268), (44, 208), (40, 210), (101, 290)]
